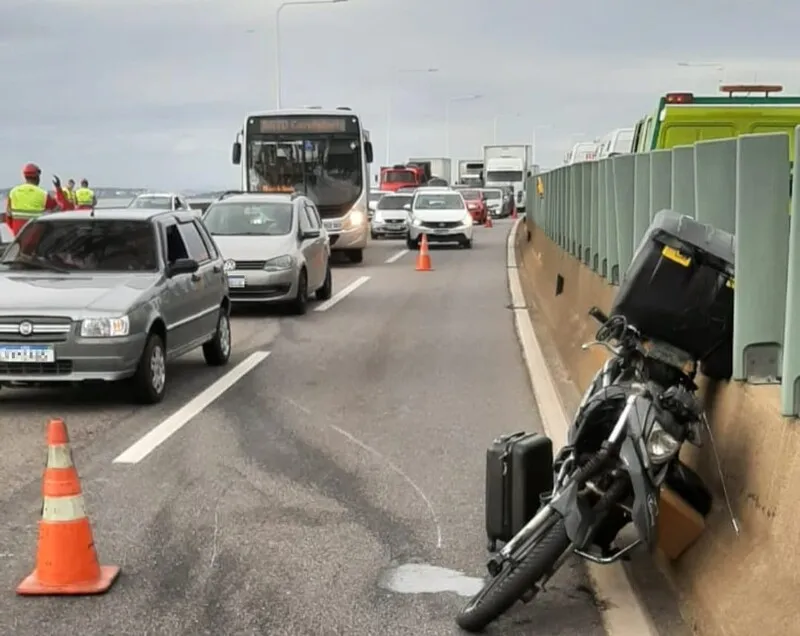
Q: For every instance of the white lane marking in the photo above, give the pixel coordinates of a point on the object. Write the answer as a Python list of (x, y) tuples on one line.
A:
[(624, 614), (162, 432), (396, 257), (332, 302), (389, 464)]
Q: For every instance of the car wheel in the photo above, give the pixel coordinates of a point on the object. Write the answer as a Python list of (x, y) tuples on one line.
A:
[(299, 305), (467, 245), (412, 245), (217, 351), (150, 380), (326, 291), (355, 256), (373, 236)]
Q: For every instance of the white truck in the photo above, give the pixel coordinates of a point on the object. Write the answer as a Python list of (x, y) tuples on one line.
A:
[(434, 167), (508, 166), (470, 172)]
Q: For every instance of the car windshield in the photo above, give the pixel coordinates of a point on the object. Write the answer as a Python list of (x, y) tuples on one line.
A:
[(375, 196), (152, 203), (265, 218), (93, 245), (444, 201), (492, 194), (470, 195), (394, 202)]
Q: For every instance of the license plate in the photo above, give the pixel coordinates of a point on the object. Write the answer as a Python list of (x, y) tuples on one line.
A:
[(441, 231), (27, 353), (332, 226), (236, 281)]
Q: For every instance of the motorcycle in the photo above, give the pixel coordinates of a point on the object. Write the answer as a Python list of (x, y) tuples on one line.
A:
[(622, 447)]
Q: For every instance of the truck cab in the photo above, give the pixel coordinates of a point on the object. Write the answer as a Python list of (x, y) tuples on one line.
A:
[(401, 176), (682, 119)]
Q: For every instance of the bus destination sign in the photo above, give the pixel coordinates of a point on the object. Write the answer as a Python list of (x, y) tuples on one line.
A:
[(302, 125)]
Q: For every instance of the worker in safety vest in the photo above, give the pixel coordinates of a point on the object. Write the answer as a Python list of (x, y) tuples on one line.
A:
[(69, 192), (28, 201), (84, 197)]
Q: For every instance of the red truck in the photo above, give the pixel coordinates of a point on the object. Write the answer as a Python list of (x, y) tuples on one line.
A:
[(401, 176)]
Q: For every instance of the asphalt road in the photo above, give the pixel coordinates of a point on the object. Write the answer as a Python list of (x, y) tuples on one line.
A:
[(358, 445)]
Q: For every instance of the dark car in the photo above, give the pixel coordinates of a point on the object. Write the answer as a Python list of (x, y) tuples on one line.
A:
[(111, 295)]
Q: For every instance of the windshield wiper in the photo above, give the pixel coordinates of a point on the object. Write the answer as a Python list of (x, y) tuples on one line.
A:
[(37, 263)]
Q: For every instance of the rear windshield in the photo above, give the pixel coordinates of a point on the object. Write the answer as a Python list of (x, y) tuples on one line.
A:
[(394, 202), (492, 194), (152, 203), (470, 195), (88, 245), (398, 176), (268, 218)]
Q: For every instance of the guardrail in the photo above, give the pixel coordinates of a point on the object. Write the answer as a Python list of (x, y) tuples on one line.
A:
[(599, 211)]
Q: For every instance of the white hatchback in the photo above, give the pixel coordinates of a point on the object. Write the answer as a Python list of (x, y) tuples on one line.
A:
[(442, 215)]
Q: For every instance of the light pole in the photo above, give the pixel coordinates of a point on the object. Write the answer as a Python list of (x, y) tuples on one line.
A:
[(452, 100), (719, 68), (278, 11), (402, 71)]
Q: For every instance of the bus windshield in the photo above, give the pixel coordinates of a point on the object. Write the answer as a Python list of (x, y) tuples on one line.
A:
[(291, 154)]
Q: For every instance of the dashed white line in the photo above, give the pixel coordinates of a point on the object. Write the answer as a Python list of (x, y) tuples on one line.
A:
[(332, 302), (396, 257), (162, 432)]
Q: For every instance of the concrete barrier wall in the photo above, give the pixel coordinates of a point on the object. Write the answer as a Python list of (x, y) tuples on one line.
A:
[(732, 585)]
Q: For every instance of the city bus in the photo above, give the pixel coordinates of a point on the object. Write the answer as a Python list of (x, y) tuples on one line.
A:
[(325, 154)]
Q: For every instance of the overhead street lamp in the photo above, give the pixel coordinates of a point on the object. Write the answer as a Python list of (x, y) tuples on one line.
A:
[(281, 7), (452, 100), (402, 71)]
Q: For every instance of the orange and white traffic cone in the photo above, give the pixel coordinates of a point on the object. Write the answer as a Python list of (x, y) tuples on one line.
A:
[(424, 257), (66, 561), (488, 222)]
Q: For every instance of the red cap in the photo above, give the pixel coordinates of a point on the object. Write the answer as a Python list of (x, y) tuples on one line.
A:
[(31, 170)]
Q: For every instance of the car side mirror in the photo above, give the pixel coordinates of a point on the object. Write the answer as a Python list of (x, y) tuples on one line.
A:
[(237, 153), (183, 266), (407, 207), (368, 151), (311, 234)]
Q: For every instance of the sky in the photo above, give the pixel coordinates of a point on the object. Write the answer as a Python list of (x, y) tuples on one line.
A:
[(152, 93)]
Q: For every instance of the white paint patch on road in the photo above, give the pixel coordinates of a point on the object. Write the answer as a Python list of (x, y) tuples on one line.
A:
[(396, 257), (391, 466), (161, 433), (622, 614), (332, 302), (420, 578)]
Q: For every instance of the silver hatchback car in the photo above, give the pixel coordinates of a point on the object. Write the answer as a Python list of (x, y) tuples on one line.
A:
[(275, 246), (108, 296)]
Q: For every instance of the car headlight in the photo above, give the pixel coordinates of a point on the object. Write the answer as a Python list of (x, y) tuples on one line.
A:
[(105, 327), (415, 220), (279, 264), (357, 217), (661, 446), (377, 217), (229, 265), (467, 220)]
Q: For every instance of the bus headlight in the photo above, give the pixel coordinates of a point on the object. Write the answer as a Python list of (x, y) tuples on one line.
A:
[(660, 445), (357, 217)]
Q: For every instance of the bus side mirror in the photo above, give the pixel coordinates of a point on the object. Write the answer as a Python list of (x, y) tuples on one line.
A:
[(368, 151), (237, 153)]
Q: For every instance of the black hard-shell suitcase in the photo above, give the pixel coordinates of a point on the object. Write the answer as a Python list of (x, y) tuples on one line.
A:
[(519, 469), (679, 288)]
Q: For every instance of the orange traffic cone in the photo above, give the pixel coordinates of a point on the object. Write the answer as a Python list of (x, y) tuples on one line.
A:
[(424, 258), (488, 221), (66, 561)]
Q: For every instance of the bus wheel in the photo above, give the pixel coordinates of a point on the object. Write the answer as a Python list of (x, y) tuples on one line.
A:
[(355, 256)]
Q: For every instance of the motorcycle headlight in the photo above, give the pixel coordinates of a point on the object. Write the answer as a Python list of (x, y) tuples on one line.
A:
[(279, 264), (660, 445)]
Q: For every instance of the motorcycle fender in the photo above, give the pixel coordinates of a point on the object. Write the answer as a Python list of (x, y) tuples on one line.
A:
[(577, 514), (645, 495)]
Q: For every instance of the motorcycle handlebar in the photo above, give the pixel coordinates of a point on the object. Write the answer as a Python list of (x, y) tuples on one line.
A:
[(598, 315)]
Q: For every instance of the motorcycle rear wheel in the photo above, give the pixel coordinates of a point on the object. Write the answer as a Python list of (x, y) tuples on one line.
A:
[(512, 583)]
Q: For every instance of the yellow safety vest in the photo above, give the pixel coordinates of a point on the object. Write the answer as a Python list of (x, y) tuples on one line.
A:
[(69, 195), (27, 201), (84, 196)]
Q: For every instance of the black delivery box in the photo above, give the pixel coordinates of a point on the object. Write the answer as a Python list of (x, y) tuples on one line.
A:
[(679, 288)]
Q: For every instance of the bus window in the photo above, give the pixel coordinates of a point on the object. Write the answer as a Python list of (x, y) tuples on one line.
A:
[(645, 142), (688, 134)]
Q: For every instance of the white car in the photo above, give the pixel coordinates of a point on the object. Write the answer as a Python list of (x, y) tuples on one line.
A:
[(391, 217), (442, 215), (160, 201), (374, 197)]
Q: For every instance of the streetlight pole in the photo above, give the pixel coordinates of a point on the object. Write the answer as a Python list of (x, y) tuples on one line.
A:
[(389, 105), (463, 98), (278, 12)]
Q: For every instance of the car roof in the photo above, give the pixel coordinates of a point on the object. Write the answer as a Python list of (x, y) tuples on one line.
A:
[(432, 189), (256, 197), (116, 214)]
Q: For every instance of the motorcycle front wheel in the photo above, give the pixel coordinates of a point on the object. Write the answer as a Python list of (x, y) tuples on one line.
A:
[(514, 581)]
